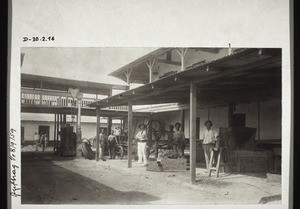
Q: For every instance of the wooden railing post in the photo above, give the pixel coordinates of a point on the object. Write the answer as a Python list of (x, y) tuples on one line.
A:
[(41, 99)]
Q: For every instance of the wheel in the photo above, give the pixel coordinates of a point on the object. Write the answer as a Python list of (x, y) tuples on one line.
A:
[(87, 151), (120, 152), (150, 151)]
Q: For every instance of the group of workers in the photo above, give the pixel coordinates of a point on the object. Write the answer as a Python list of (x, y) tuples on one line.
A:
[(176, 139), (41, 141), (109, 142), (176, 142)]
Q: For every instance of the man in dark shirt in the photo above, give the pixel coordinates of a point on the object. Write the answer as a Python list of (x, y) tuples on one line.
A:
[(170, 134), (112, 142), (103, 143), (179, 140)]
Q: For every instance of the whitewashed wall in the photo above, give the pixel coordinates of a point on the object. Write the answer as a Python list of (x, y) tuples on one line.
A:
[(270, 118), (30, 127)]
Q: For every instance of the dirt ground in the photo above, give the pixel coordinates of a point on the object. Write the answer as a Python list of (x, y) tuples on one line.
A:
[(49, 179)]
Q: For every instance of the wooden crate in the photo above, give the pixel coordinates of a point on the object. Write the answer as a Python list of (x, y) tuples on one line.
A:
[(251, 161), (174, 164), (168, 165)]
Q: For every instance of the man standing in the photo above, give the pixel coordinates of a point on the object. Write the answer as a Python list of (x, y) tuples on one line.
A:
[(170, 134), (103, 142), (46, 141), (118, 133), (112, 142), (43, 141), (142, 139), (37, 140), (209, 138), (179, 140)]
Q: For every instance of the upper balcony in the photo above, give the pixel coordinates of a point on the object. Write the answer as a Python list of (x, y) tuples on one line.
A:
[(57, 99), (44, 94)]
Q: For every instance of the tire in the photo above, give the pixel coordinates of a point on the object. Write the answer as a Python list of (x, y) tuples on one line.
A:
[(120, 152), (87, 151)]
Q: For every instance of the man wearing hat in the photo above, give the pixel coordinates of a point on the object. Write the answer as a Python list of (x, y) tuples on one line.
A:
[(179, 140), (142, 138), (209, 138)]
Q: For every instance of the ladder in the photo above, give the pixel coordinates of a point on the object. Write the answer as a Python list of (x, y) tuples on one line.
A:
[(217, 167)]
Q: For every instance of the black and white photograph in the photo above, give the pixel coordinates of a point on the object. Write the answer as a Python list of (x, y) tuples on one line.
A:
[(108, 118), (181, 126)]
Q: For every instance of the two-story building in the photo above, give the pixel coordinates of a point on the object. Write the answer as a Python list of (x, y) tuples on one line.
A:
[(234, 88)]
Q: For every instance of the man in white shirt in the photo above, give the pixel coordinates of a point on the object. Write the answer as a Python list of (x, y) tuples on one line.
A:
[(118, 133), (142, 138), (42, 143), (37, 140), (209, 137)]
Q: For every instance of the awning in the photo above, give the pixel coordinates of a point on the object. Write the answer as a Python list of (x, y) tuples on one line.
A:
[(244, 76)]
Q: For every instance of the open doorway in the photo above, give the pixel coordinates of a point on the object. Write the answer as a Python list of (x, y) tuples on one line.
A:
[(44, 129)]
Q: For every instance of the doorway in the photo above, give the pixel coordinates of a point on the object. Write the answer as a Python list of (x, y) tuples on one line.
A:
[(44, 129)]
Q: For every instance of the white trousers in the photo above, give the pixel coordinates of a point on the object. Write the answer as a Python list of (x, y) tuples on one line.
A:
[(142, 146)]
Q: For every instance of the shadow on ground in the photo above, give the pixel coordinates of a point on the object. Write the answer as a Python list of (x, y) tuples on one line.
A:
[(43, 182)]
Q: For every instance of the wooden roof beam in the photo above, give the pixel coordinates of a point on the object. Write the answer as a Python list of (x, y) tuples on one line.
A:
[(209, 50), (150, 65), (168, 62), (127, 75), (182, 53)]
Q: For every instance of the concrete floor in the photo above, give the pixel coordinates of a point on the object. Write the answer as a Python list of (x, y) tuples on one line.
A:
[(50, 179)]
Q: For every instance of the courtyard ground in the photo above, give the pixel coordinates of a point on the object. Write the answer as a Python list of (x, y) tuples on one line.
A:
[(50, 179)]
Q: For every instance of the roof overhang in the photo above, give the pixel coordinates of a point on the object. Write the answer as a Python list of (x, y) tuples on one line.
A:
[(248, 75), (139, 76), (139, 69)]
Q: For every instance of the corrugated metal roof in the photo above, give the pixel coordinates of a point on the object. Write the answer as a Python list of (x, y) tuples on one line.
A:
[(140, 61), (175, 88)]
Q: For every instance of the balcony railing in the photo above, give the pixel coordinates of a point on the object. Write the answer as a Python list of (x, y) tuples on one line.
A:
[(57, 99)]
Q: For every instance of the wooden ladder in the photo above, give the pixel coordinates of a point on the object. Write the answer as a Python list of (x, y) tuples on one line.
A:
[(217, 167)]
